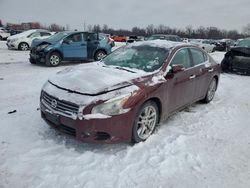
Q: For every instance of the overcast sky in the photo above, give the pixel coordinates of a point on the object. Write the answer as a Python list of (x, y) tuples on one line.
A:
[(225, 14)]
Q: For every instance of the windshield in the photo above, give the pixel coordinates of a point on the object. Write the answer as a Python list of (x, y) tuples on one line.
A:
[(143, 57), (244, 43), (155, 37), (58, 36)]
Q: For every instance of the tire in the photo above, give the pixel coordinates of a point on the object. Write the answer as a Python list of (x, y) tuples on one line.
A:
[(53, 59), (23, 46), (100, 54), (210, 91), (145, 122), (1, 38)]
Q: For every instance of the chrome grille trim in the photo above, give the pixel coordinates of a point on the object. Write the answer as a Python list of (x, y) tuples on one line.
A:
[(63, 107)]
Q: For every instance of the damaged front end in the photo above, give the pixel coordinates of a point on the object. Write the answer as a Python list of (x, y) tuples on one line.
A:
[(237, 60)]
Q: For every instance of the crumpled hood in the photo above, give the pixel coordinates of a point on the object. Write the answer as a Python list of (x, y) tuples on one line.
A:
[(37, 42), (93, 79)]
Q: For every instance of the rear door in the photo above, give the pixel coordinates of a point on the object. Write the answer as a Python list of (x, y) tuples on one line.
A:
[(203, 71), (75, 46), (92, 44), (182, 89)]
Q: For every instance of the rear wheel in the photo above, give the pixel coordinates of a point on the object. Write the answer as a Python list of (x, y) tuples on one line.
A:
[(1, 38), (53, 59), (23, 46), (211, 91), (145, 122), (99, 55)]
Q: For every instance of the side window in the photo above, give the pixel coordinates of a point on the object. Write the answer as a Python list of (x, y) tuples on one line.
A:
[(198, 56), (182, 57), (75, 37), (43, 34), (35, 34), (101, 37), (92, 37), (172, 38)]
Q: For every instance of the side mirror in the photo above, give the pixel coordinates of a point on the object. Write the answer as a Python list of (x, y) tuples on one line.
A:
[(177, 68), (174, 69)]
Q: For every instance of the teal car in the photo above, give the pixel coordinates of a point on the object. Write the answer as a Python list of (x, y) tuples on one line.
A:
[(70, 46)]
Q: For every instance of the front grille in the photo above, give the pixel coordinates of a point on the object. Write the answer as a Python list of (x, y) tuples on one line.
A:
[(64, 107)]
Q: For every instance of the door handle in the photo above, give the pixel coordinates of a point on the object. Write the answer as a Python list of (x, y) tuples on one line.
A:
[(192, 77), (83, 44), (210, 70)]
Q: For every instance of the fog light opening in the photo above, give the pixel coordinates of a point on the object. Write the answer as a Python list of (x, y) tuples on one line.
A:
[(102, 136)]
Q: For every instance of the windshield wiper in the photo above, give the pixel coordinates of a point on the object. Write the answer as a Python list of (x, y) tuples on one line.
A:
[(122, 68)]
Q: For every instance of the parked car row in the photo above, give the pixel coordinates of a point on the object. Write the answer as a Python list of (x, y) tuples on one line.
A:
[(125, 94)]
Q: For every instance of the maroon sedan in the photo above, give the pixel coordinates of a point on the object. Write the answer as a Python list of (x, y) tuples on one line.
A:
[(123, 97)]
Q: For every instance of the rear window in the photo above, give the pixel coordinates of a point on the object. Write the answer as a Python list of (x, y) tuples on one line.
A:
[(45, 34)]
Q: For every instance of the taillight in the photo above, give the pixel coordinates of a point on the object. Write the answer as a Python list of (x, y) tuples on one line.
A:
[(109, 40)]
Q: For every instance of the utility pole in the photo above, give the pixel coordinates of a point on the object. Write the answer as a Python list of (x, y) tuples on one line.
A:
[(84, 25)]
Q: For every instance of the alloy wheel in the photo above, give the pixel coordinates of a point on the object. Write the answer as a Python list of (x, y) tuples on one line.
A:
[(100, 55), (24, 47), (146, 122), (211, 90), (54, 60)]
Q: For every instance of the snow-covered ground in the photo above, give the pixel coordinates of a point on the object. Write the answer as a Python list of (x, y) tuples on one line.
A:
[(203, 146)]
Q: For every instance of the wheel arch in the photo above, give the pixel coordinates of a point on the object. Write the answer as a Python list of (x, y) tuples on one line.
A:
[(158, 102), (217, 80), (57, 51)]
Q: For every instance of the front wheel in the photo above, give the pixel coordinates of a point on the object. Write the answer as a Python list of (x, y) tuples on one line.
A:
[(99, 55), (53, 59), (23, 46), (145, 122), (211, 91)]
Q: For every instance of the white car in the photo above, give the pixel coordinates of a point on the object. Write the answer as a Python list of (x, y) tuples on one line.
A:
[(204, 44), (22, 41), (3, 34)]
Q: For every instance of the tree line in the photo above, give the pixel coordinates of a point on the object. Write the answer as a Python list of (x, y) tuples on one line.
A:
[(189, 31)]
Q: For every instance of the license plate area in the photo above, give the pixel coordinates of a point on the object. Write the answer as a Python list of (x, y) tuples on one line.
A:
[(53, 118)]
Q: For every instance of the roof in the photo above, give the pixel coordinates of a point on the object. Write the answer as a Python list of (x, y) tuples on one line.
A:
[(159, 43)]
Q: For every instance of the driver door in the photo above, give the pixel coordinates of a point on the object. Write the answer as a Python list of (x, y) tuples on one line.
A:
[(75, 47), (181, 87)]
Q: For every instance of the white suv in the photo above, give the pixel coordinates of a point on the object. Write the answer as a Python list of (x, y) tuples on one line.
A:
[(22, 41), (3, 34)]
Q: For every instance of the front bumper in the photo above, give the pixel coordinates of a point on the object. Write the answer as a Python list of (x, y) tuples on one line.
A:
[(112, 130), (38, 57), (12, 46)]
